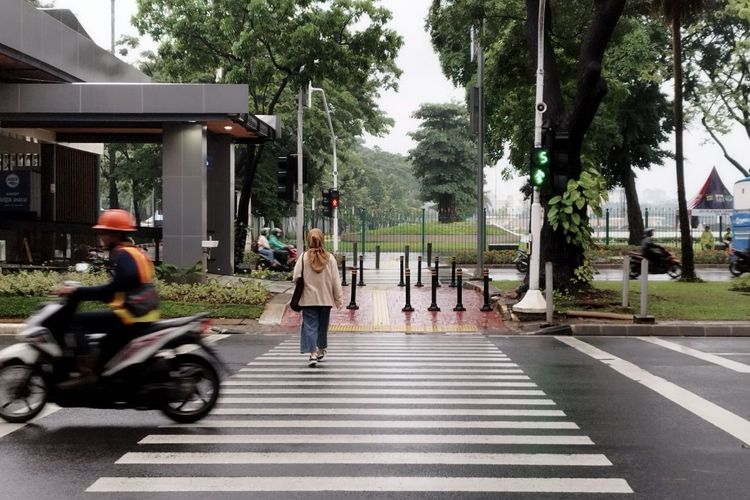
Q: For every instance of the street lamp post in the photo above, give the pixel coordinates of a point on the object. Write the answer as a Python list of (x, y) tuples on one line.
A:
[(533, 302), (335, 165)]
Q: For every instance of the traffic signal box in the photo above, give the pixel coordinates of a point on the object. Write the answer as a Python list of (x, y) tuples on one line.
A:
[(286, 177), (329, 202), (540, 163)]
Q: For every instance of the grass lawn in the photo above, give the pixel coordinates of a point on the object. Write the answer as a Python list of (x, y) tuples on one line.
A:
[(21, 307), (667, 300)]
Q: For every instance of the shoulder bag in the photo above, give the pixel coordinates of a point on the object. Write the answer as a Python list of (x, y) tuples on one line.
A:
[(298, 287)]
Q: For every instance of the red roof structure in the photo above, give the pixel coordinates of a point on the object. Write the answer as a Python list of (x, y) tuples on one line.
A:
[(713, 198)]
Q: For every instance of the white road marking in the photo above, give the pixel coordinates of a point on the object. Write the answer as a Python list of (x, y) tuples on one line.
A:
[(338, 358), (711, 358), (389, 401), (714, 414), (161, 439), (440, 412), (392, 392), (389, 364), (378, 424), (322, 457), (376, 376), (405, 372), (359, 484), (369, 383)]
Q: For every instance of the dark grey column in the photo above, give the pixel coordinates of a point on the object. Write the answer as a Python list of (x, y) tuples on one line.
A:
[(184, 192), (220, 196)]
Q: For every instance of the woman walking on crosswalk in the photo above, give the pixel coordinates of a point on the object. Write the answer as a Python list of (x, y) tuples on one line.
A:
[(322, 291)]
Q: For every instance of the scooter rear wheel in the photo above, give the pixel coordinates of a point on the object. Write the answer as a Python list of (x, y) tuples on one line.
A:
[(23, 392), (196, 391)]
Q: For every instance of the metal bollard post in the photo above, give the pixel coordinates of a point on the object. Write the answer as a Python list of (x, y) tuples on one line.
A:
[(354, 254), (486, 306), (407, 307), (644, 317), (361, 271), (459, 292), (429, 253), (437, 270), (433, 305), (377, 256), (453, 273), (401, 271), (548, 288), (353, 301), (406, 256), (419, 284), (343, 271)]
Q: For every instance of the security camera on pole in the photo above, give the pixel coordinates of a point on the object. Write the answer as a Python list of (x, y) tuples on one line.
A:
[(533, 302)]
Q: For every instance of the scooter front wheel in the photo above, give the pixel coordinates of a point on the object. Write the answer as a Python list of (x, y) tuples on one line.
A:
[(735, 269), (23, 392), (195, 392), (674, 271)]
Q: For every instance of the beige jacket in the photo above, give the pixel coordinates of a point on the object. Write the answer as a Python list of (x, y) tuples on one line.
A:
[(321, 289)]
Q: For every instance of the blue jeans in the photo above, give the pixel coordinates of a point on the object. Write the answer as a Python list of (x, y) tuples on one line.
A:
[(314, 333)]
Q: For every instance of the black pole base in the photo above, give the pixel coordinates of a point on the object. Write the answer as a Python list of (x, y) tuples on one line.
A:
[(418, 284), (486, 308), (433, 308), (352, 306), (459, 308), (407, 309)]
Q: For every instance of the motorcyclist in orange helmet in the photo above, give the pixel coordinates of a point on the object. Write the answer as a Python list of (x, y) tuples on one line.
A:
[(130, 294)]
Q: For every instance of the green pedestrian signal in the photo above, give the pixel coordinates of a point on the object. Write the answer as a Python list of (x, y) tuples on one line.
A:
[(540, 160)]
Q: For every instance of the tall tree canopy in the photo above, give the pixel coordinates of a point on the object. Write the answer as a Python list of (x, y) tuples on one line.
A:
[(444, 159), (275, 47)]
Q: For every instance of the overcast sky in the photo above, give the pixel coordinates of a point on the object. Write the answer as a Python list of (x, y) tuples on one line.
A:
[(422, 81)]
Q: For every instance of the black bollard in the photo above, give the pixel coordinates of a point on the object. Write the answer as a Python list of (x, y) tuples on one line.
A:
[(353, 301), (401, 271), (377, 256), (434, 306), (343, 271), (419, 284), (361, 270), (486, 306), (406, 256), (429, 253), (437, 271), (408, 307), (453, 273), (459, 292), (354, 254)]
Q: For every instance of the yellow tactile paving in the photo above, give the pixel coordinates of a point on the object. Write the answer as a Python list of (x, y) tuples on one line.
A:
[(380, 317)]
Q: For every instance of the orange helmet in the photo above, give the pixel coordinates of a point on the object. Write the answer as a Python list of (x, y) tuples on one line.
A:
[(115, 219)]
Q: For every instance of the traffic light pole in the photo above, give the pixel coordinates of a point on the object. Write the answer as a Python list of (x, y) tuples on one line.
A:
[(335, 167), (533, 302), (300, 200)]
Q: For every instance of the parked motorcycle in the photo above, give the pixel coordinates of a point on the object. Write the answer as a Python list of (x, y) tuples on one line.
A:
[(666, 264), (170, 368), (521, 261), (739, 262)]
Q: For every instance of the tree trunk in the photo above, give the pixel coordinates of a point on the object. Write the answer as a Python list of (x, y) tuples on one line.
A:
[(136, 204), (635, 219), (252, 160), (686, 240), (114, 198)]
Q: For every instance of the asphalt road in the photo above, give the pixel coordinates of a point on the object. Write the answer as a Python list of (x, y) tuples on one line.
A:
[(419, 416)]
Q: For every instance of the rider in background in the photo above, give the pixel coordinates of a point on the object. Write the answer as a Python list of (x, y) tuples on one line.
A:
[(264, 248), (278, 246), (707, 238), (651, 250), (130, 294)]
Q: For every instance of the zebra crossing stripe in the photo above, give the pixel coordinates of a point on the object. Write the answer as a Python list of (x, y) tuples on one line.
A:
[(403, 372), (389, 364), (390, 401), (338, 357), (360, 484), (379, 383), (368, 458), (379, 424), (377, 377), (511, 439), (440, 412), (391, 392)]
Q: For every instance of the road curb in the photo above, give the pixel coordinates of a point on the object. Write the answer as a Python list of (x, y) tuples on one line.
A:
[(663, 330)]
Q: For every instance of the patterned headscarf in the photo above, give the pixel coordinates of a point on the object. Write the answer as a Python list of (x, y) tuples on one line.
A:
[(318, 254)]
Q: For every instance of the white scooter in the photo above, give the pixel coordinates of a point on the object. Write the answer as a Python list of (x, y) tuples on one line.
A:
[(169, 368)]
